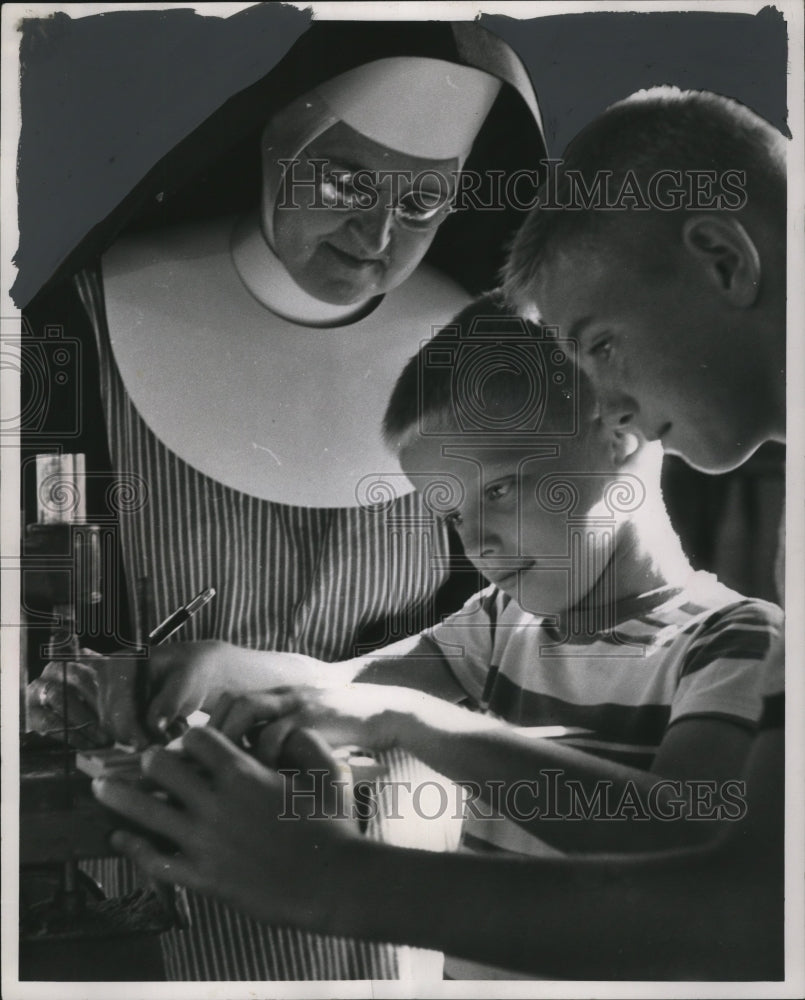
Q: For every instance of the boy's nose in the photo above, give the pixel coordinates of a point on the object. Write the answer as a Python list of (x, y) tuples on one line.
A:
[(617, 412), (479, 541)]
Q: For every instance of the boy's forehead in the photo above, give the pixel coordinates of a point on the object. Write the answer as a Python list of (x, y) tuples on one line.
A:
[(464, 455), (584, 276), (563, 285)]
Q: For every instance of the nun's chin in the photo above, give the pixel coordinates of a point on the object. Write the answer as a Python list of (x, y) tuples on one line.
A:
[(334, 269), (341, 279)]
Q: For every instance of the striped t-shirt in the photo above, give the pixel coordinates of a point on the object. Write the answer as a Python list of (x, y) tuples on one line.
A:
[(699, 651)]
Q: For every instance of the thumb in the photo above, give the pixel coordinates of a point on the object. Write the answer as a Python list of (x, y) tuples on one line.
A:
[(310, 760), (169, 703), (306, 749)]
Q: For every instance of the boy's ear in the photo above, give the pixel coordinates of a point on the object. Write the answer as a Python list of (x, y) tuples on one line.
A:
[(728, 254)]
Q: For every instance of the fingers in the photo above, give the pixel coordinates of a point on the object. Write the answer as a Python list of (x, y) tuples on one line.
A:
[(69, 689), (234, 716), (58, 710), (80, 736), (172, 729), (63, 702), (268, 739), (186, 677), (144, 809), (215, 753), (157, 865), (175, 688), (168, 704), (177, 775), (307, 749), (309, 765), (60, 699), (162, 711), (81, 679), (270, 699)]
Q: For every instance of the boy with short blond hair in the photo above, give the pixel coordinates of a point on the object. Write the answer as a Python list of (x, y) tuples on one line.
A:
[(593, 619), (598, 917)]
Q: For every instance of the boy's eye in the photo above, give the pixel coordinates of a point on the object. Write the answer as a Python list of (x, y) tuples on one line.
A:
[(501, 490), (602, 349)]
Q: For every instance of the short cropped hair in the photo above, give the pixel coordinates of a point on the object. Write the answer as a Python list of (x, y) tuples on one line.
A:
[(652, 132), (488, 372)]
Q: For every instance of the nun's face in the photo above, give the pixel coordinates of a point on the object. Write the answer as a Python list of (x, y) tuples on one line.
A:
[(354, 218)]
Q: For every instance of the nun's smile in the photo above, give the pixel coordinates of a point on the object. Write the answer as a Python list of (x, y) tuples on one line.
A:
[(359, 216)]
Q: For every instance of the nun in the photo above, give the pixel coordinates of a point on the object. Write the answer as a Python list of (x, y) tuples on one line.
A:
[(243, 339)]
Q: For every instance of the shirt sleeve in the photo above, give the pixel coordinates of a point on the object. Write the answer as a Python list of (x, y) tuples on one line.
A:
[(732, 667), (465, 640)]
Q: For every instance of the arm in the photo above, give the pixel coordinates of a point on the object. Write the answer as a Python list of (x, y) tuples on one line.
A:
[(576, 801), (651, 916), (721, 670), (537, 781), (190, 676), (187, 676), (184, 677), (95, 697)]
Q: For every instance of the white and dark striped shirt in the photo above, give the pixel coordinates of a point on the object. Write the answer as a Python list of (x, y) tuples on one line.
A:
[(313, 581), (699, 651)]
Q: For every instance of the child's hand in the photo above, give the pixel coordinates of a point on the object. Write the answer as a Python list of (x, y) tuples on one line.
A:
[(359, 714), (237, 833)]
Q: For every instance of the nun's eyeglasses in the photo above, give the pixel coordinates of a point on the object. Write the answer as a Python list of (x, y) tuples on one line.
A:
[(417, 208)]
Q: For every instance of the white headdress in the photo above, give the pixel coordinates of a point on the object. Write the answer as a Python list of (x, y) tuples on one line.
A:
[(428, 108)]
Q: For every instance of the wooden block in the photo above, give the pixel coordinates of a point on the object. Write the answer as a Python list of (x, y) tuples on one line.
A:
[(109, 762)]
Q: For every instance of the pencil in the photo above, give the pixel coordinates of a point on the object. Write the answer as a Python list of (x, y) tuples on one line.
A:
[(180, 616), (172, 729)]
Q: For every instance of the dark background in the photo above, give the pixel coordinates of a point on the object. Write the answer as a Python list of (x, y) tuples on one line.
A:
[(105, 96)]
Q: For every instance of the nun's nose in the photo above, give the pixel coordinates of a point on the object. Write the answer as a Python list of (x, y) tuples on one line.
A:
[(372, 228)]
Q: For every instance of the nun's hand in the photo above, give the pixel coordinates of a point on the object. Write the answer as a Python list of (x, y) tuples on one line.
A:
[(240, 832), (90, 702), (63, 703)]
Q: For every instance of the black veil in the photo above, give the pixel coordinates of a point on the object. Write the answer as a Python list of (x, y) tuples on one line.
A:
[(214, 168)]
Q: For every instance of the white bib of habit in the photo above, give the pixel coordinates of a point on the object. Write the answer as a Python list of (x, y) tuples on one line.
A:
[(278, 410)]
